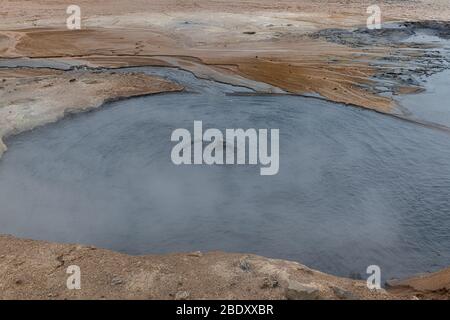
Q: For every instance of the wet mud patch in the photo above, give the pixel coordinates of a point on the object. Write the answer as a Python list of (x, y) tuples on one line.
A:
[(391, 34), (411, 52)]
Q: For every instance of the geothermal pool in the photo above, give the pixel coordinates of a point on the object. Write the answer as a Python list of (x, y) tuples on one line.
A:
[(355, 188)]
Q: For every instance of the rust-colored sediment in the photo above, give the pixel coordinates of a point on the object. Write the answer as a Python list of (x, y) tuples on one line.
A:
[(334, 82), (428, 286), (300, 70)]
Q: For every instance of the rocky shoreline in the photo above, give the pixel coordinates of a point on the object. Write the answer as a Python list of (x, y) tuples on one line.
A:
[(296, 46), (38, 270)]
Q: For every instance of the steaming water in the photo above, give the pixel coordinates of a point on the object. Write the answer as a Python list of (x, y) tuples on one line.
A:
[(355, 188)]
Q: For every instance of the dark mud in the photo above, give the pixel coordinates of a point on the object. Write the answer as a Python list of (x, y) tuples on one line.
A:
[(415, 50), (389, 35)]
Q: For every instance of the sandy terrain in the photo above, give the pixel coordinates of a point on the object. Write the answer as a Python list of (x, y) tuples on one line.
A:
[(37, 270), (431, 286)]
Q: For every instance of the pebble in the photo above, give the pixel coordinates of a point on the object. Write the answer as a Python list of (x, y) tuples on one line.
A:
[(182, 295), (116, 281), (299, 291)]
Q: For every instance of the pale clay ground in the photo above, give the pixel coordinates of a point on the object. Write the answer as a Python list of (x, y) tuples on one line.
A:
[(214, 33)]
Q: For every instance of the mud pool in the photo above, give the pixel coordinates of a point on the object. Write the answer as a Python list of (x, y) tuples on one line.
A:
[(355, 188)]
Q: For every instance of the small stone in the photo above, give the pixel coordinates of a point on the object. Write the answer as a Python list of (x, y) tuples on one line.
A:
[(299, 291), (244, 265), (344, 294), (18, 263), (181, 295), (269, 282), (306, 270), (116, 281), (381, 89), (197, 254)]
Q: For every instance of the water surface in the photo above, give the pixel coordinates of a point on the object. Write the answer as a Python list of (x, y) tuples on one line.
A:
[(355, 188)]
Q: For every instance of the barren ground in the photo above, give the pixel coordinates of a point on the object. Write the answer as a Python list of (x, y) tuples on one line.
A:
[(37, 270), (55, 93), (257, 39)]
